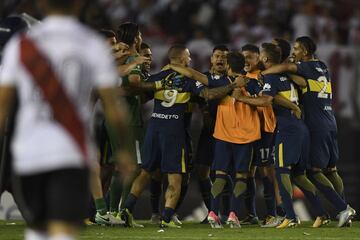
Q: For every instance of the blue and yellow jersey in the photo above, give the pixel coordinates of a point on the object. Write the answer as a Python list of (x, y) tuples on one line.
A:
[(171, 104), (281, 84), (317, 96)]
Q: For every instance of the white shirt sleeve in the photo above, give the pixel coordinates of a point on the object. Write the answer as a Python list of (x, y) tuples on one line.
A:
[(105, 74), (9, 71)]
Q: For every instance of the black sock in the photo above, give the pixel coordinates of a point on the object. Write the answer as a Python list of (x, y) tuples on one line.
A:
[(130, 202), (205, 189), (155, 193)]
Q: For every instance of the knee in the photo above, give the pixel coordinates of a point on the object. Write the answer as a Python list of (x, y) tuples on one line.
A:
[(240, 186)]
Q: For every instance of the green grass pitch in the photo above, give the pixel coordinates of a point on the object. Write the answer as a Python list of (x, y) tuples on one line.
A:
[(14, 231)]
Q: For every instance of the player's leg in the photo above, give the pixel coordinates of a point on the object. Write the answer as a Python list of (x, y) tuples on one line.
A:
[(222, 159), (242, 155), (185, 180), (155, 194), (204, 159), (319, 159), (171, 197), (150, 164), (331, 171), (250, 203)]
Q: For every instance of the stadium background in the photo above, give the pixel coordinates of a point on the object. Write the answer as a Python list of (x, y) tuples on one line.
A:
[(334, 24)]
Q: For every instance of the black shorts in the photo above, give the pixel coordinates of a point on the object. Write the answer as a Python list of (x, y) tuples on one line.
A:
[(61, 195)]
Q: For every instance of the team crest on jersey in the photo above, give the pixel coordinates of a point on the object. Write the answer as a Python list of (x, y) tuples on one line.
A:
[(267, 87), (282, 79)]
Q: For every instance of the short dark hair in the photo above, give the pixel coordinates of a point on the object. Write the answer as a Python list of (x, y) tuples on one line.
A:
[(176, 50), (308, 44), (127, 32), (107, 33), (272, 51), (63, 4), (144, 45), (220, 47), (285, 48), (251, 48), (236, 61)]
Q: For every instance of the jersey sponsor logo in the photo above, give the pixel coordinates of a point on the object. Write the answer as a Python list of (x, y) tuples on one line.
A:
[(165, 116)]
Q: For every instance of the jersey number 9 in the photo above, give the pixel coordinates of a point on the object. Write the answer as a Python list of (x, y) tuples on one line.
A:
[(169, 98)]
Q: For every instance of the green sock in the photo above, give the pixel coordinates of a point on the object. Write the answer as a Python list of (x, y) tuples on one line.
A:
[(125, 192), (115, 192), (100, 206)]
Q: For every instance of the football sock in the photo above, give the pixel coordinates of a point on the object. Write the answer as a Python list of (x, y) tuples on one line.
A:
[(216, 190), (238, 195), (269, 196), (309, 191), (31, 234), (280, 210), (115, 192), (226, 197), (167, 214), (325, 187), (337, 182), (130, 202), (184, 188), (100, 206), (155, 193), (125, 193), (205, 189), (250, 196), (286, 191)]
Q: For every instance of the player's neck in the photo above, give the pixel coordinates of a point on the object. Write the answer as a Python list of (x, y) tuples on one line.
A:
[(308, 58), (214, 72), (176, 62)]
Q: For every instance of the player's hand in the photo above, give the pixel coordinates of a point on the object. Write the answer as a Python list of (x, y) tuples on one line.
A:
[(141, 59), (260, 78), (241, 81), (125, 163), (236, 93), (297, 112)]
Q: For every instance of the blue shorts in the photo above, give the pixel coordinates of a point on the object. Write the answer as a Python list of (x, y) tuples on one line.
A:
[(232, 156), (164, 150), (292, 147), (205, 148), (264, 150), (324, 151)]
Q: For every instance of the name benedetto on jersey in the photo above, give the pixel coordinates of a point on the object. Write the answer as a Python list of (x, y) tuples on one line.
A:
[(317, 96), (170, 105), (83, 62)]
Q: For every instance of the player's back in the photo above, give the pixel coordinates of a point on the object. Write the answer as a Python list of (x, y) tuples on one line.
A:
[(171, 103), (81, 61), (238, 122), (317, 96)]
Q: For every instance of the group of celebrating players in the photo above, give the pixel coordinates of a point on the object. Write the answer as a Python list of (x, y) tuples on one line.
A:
[(262, 108)]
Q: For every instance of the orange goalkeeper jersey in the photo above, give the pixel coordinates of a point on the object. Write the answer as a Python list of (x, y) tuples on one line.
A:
[(237, 122), (266, 114)]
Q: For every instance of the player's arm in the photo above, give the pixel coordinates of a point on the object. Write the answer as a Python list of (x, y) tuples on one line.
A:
[(215, 93), (190, 73), (7, 97), (282, 101), (220, 92), (260, 101), (280, 68), (298, 80), (115, 112), (125, 69)]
